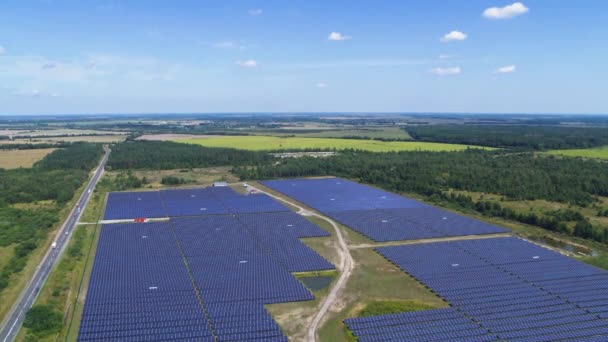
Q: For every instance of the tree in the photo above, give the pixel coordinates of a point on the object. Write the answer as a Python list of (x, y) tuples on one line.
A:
[(43, 320)]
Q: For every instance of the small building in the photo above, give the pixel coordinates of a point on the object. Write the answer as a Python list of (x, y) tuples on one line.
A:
[(219, 184)]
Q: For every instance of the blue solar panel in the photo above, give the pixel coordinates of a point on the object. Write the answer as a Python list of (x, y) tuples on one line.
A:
[(193, 202), (337, 194), (203, 275), (379, 215), (140, 287), (128, 205), (511, 289)]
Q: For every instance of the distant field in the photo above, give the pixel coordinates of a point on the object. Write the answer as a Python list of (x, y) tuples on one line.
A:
[(12, 159), (262, 143), (382, 132), (89, 138), (596, 152), (374, 132)]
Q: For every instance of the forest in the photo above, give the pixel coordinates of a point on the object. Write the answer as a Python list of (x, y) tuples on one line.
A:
[(162, 155), (515, 136), (56, 178), (515, 176)]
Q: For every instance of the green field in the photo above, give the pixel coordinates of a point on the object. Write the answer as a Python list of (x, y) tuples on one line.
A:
[(264, 143), (596, 152)]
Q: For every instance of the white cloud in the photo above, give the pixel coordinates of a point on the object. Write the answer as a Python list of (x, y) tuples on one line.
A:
[(509, 11), (34, 93), (2, 50), (228, 44), (250, 63), (256, 11), (446, 56), (446, 71), (321, 85), (454, 36), (509, 69), (337, 36)]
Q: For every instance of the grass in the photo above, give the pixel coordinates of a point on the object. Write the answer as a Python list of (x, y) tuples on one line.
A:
[(267, 143), (596, 152), (601, 260), (73, 321), (373, 280), (87, 138), (13, 159), (61, 288), (384, 307), (373, 133), (192, 177), (20, 280)]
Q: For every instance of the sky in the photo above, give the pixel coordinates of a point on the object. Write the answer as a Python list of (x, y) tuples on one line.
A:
[(491, 56)]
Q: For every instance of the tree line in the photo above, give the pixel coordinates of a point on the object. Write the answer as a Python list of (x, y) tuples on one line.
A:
[(164, 155), (516, 176), (513, 136), (56, 177)]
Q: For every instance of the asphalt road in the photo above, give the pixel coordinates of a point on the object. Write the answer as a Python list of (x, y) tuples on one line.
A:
[(28, 296)]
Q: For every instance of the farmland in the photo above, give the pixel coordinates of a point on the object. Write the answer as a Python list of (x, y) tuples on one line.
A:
[(264, 143), (596, 152), (13, 159)]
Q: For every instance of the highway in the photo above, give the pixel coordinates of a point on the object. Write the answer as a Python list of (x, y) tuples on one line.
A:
[(28, 296)]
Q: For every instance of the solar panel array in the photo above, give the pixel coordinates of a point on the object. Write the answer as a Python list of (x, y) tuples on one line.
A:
[(513, 289), (134, 205), (429, 325), (140, 289), (197, 278), (379, 215), (186, 202)]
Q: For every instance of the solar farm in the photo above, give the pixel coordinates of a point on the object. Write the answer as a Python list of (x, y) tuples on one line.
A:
[(501, 288), (204, 274), (379, 215), (206, 268)]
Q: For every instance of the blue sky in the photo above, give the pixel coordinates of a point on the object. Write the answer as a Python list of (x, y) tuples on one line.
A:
[(537, 56)]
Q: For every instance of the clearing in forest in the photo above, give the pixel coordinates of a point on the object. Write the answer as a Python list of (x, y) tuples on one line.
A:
[(13, 159), (264, 143)]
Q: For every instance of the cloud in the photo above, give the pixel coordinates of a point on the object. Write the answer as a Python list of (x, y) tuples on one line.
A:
[(446, 56), (2, 50), (509, 11), (321, 85), (509, 69), (228, 44), (33, 93), (454, 36), (255, 12), (446, 71), (337, 37), (357, 63), (250, 63)]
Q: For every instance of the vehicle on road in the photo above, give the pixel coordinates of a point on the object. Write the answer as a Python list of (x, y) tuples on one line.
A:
[(54, 245)]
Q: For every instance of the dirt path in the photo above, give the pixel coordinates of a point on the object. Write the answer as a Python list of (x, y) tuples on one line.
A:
[(444, 239), (346, 266)]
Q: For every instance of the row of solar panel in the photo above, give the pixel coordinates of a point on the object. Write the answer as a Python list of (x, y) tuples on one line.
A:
[(186, 202), (238, 264), (379, 215), (236, 275), (336, 194), (495, 283)]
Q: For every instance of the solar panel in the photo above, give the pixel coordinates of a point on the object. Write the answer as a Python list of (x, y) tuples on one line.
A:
[(510, 288), (203, 275), (379, 215)]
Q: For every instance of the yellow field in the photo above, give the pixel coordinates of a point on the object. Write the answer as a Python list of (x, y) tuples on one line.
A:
[(12, 159), (264, 143), (596, 152)]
